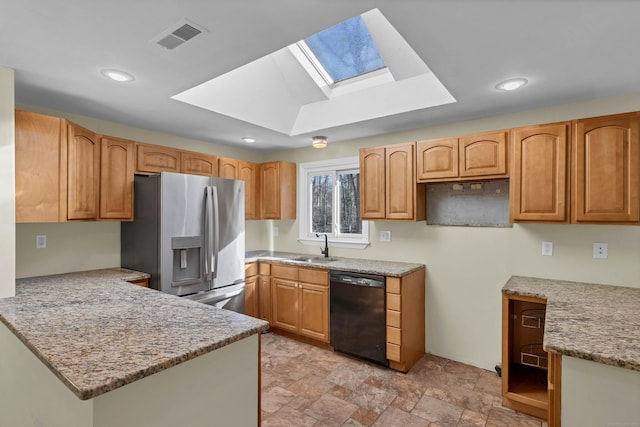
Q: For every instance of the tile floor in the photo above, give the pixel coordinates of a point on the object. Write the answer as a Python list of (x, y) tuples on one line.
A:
[(303, 385)]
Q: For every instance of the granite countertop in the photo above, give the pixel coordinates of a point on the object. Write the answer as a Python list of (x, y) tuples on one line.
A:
[(96, 332), (384, 268), (588, 321)]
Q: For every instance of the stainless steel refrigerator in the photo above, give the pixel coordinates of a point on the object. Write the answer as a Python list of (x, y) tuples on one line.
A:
[(188, 233)]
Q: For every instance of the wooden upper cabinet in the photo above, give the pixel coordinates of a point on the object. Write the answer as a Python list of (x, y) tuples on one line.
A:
[(227, 168), (83, 173), (388, 188), (372, 183), (154, 159), (437, 159), (539, 187), (248, 172), (41, 170), (605, 180), (278, 190), (400, 181), (117, 165), (476, 156), (198, 163), (483, 154)]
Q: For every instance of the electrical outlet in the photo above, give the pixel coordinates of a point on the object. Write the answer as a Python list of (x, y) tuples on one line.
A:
[(275, 231), (385, 236), (41, 241), (600, 250), (547, 248)]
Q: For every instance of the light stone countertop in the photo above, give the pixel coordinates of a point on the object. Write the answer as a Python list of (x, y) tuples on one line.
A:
[(587, 321), (96, 332), (384, 268)]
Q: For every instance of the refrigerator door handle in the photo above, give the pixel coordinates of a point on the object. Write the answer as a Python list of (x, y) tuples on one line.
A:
[(216, 230), (208, 229)]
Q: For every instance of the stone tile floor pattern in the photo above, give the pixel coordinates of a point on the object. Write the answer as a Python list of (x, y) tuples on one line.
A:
[(303, 385)]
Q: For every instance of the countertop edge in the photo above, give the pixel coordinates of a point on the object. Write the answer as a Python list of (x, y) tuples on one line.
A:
[(341, 264)]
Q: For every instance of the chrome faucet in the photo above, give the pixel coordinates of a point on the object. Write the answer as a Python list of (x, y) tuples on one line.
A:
[(324, 251)]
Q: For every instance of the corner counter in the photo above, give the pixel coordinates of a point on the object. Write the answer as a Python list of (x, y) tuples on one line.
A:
[(111, 344), (596, 331)]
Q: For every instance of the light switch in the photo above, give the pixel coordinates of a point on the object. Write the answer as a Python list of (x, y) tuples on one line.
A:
[(41, 241), (547, 248)]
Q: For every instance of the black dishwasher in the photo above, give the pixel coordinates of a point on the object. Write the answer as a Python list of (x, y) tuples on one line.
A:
[(358, 322)]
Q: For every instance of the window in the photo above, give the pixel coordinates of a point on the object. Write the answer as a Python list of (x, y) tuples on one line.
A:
[(330, 203), (343, 51)]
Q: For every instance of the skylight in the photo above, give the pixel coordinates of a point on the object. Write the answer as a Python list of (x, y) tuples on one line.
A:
[(343, 51)]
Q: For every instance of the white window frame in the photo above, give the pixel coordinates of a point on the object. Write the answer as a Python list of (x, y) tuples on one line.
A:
[(341, 241)]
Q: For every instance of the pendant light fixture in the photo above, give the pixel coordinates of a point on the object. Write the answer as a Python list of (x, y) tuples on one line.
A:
[(319, 141)]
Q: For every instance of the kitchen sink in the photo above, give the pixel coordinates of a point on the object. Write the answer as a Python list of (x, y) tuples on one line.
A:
[(313, 259)]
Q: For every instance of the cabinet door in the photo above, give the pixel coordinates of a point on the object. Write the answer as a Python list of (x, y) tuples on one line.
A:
[(40, 156), (285, 314), (250, 297), (198, 164), (539, 182), (116, 178), (400, 181), (314, 311), (605, 186), (248, 172), (483, 154), (155, 159), (264, 298), (437, 159), (228, 168), (83, 173), (270, 190), (372, 183)]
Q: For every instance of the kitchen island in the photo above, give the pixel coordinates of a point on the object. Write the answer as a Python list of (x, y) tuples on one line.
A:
[(596, 330), (90, 349)]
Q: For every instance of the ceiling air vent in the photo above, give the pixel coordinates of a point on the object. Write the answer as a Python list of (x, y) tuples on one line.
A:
[(178, 34)]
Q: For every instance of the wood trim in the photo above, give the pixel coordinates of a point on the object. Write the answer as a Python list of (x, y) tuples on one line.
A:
[(555, 390), (140, 282)]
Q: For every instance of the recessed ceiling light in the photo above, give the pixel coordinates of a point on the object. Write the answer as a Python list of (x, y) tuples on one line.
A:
[(248, 139), (512, 84), (119, 76)]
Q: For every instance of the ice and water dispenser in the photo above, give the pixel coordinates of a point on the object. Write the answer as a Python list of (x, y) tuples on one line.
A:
[(187, 260)]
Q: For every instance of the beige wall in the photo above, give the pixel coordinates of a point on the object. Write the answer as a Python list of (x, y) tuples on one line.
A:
[(7, 185), (466, 267)]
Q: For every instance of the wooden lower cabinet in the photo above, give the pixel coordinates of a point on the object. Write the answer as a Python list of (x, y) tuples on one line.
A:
[(405, 320), (264, 291), (251, 289), (530, 375), (300, 301)]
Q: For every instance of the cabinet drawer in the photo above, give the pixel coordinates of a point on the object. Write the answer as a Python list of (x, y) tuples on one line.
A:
[(250, 269), (393, 285), (394, 335), (308, 275), (393, 352), (264, 268), (393, 318), (284, 271), (393, 302)]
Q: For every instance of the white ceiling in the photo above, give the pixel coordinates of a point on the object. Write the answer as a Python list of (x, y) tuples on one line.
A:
[(570, 50)]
